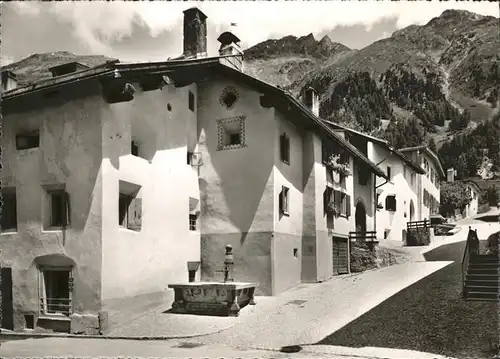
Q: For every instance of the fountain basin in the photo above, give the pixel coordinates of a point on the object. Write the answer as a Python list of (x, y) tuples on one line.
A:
[(212, 298)]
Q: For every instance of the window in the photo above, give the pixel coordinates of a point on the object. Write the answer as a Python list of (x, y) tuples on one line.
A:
[(284, 200), (59, 208), (189, 158), (191, 101), (56, 285), (389, 172), (134, 148), (390, 203), (130, 212), (28, 140), (231, 133), (9, 210), (192, 222), (285, 148), (295, 252), (29, 321)]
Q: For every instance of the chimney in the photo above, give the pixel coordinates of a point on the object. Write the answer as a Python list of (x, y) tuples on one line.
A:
[(231, 50), (310, 99), (9, 80), (450, 174), (195, 34)]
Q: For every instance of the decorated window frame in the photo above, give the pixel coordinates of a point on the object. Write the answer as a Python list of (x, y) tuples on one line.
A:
[(231, 133), (229, 97)]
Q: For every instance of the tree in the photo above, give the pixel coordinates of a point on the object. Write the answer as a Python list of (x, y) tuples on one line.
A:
[(492, 196), (454, 195), (432, 145)]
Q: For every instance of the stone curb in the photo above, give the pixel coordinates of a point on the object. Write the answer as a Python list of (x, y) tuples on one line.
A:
[(17, 335)]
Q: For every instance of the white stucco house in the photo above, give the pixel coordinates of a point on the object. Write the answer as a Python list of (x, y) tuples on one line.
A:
[(428, 185), (397, 199)]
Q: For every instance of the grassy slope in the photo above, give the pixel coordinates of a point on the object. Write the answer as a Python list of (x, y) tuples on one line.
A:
[(429, 316)]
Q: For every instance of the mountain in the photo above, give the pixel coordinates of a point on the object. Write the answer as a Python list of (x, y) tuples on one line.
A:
[(36, 67), (436, 81)]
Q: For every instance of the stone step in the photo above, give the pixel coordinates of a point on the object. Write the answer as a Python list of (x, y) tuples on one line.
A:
[(493, 271), (482, 277), (482, 295), (481, 289), (482, 283)]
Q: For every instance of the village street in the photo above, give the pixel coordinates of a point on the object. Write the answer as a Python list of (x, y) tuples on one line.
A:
[(419, 301)]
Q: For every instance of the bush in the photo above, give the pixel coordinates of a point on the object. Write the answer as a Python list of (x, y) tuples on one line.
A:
[(418, 237), (362, 257)]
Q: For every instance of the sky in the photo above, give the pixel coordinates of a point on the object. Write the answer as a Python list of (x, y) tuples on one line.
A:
[(152, 31)]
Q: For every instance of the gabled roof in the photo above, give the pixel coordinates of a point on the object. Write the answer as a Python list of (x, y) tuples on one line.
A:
[(382, 143), (430, 153), (210, 65)]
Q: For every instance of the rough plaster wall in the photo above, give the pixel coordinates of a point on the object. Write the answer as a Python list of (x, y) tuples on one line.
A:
[(236, 186), (69, 153), (288, 229), (149, 260), (309, 270)]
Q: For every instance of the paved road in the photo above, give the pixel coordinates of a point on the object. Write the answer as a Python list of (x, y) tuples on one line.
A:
[(428, 316)]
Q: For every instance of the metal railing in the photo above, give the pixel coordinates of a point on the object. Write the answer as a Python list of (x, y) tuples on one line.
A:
[(56, 305), (471, 248)]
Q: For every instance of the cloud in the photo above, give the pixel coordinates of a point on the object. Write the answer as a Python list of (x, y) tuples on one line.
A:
[(135, 29)]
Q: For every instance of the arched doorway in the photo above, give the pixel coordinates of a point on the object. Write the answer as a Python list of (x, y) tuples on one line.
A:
[(412, 211), (360, 217)]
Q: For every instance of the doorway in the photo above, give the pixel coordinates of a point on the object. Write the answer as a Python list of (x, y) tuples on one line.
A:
[(360, 218), (7, 299)]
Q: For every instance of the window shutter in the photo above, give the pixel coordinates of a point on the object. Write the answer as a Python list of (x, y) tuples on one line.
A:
[(71, 281), (394, 203), (348, 201), (287, 148), (135, 214), (325, 200), (66, 210), (281, 201)]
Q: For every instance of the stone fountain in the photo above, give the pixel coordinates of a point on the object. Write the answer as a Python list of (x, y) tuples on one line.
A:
[(214, 298)]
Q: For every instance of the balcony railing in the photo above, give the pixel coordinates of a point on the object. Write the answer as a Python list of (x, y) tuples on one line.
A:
[(56, 305), (368, 236)]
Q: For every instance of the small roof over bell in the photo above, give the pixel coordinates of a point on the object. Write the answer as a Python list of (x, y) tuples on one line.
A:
[(227, 38)]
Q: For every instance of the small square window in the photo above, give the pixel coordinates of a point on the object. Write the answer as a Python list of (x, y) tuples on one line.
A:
[(234, 139), (28, 140), (191, 101), (192, 222), (231, 133), (390, 203), (295, 252), (9, 211)]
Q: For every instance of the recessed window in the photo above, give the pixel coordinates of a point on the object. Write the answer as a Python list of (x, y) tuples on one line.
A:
[(284, 200), (29, 321), (285, 148), (231, 133), (56, 285), (59, 208), (191, 101), (189, 158), (295, 252), (130, 212), (192, 222), (389, 172), (390, 203), (28, 140), (134, 148), (169, 107), (9, 210)]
